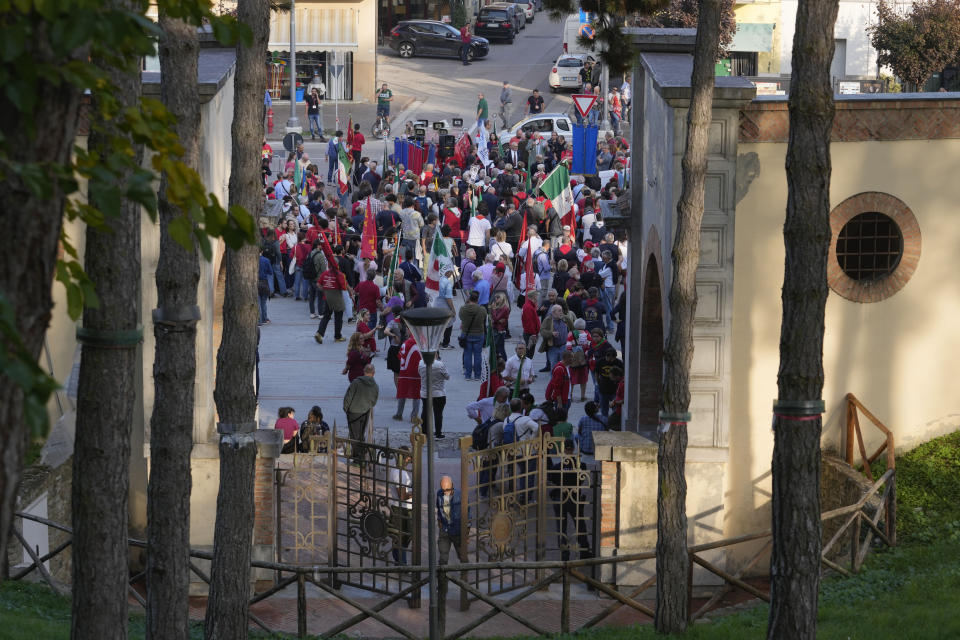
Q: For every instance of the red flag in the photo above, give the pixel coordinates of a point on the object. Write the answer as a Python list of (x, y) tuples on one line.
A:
[(328, 252), (349, 132), (368, 242)]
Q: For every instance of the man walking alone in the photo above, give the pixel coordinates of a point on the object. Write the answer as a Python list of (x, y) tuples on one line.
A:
[(358, 404)]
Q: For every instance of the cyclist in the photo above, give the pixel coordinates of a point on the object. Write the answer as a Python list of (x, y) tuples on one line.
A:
[(384, 98), (506, 97)]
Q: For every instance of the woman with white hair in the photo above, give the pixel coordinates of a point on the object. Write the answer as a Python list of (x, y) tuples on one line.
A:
[(467, 267)]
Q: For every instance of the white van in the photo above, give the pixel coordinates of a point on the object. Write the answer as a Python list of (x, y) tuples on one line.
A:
[(571, 30)]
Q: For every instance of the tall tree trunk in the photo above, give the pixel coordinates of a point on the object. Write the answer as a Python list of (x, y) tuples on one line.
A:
[(672, 560), (174, 370), (234, 394), (101, 456), (795, 563), (27, 265)]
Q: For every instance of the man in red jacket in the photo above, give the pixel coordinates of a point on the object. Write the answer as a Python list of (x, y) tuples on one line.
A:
[(530, 321), (558, 389)]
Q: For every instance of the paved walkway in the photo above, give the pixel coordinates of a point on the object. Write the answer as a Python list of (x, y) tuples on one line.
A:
[(297, 372)]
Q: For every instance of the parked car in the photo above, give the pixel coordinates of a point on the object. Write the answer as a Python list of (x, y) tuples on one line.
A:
[(545, 124), (542, 123), (498, 21), (527, 6), (520, 16), (565, 73), (432, 38)]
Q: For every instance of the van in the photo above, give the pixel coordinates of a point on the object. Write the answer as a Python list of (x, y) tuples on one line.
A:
[(571, 30)]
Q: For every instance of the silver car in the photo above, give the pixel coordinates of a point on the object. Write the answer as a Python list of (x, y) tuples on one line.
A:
[(565, 73)]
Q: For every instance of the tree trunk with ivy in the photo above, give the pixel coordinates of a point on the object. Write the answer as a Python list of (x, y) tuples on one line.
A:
[(234, 394), (40, 141), (795, 560), (672, 559), (101, 456), (174, 371)]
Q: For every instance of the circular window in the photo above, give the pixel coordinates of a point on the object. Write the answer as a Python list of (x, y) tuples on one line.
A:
[(869, 246), (875, 248)]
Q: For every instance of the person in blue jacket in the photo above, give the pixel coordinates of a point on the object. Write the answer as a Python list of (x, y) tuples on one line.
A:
[(448, 520), (264, 273)]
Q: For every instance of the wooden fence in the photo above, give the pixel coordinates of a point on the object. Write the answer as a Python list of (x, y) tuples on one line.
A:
[(857, 517)]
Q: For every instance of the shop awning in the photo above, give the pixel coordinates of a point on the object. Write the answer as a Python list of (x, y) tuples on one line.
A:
[(317, 29), (753, 36)]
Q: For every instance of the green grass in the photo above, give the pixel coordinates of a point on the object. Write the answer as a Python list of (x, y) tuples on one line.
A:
[(907, 593)]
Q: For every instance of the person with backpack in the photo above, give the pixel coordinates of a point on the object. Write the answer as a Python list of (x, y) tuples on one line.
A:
[(520, 428), (483, 409), (313, 266), (489, 435), (270, 248)]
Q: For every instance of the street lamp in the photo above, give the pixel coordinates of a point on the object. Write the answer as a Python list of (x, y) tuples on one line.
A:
[(427, 325), (293, 123)]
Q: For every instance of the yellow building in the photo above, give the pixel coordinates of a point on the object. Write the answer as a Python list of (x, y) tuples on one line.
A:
[(335, 42)]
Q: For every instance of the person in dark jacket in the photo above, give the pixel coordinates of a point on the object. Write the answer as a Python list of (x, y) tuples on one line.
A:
[(264, 273), (358, 403), (448, 520)]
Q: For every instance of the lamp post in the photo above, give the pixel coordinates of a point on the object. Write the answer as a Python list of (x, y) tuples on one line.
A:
[(293, 124), (426, 325)]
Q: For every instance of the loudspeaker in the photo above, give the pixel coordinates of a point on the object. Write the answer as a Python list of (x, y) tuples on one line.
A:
[(447, 145)]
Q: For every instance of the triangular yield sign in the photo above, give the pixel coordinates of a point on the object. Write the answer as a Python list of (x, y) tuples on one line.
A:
[(583, 102)]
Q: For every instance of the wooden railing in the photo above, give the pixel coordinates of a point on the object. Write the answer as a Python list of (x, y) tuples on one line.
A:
[(566, 572), (855, 434)]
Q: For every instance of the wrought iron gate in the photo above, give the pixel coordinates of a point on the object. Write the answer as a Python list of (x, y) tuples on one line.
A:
[(340, 506), (526, 501)]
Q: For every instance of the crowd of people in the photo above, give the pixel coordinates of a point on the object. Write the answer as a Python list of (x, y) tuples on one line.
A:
[(474, 234)]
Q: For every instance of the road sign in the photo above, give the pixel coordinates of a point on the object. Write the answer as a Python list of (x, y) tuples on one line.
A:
[(291, 141), (587, 31), (336, 70), (584, 102)]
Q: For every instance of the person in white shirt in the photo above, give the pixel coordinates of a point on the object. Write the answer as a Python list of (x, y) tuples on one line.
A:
[(400, 501), (500, 249), (525, 429), (438, 380), (532, 243), (482, 410), (519, 365), (478, 234), (626, 94)]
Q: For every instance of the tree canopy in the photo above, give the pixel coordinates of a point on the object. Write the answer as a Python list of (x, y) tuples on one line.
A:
[(917, 44), (613, 16)]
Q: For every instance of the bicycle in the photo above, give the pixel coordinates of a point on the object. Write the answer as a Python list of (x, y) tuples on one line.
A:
[(381, 127)]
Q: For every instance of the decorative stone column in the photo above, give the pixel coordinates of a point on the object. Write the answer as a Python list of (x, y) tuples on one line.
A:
[(269, 442)]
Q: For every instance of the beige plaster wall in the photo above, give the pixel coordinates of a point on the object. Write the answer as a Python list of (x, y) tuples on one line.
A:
[(898, 355), (768, 62)]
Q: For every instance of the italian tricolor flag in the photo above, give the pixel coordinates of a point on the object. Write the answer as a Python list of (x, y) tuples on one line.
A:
[(439, 259), (556, 186), (343, 169)]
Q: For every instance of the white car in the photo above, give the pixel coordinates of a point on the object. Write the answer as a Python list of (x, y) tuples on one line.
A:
[(542, 123), (565, 73), (528, 6)]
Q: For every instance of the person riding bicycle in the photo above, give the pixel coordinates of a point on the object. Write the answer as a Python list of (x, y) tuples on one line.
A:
[(384, 97)]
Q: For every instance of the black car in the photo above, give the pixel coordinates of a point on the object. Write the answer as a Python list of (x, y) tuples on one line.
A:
[(498, 21), (432, 38)]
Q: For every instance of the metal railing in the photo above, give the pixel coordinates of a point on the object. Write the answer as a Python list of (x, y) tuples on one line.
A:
[(566, 572)]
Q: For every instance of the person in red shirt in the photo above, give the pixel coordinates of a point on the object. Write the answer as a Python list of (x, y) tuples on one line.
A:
[(408, 382), (286, 422), (489, 387), (356, 144), (558, 389), (301, 289), (358, 356), (530, 321), (333, 284), (367, 330), (465, 44), (368, 296)]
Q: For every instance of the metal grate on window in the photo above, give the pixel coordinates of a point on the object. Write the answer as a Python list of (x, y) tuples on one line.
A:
[(869, 247)]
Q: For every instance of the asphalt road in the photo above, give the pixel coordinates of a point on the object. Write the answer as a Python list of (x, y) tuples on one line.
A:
[(444, 88)]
